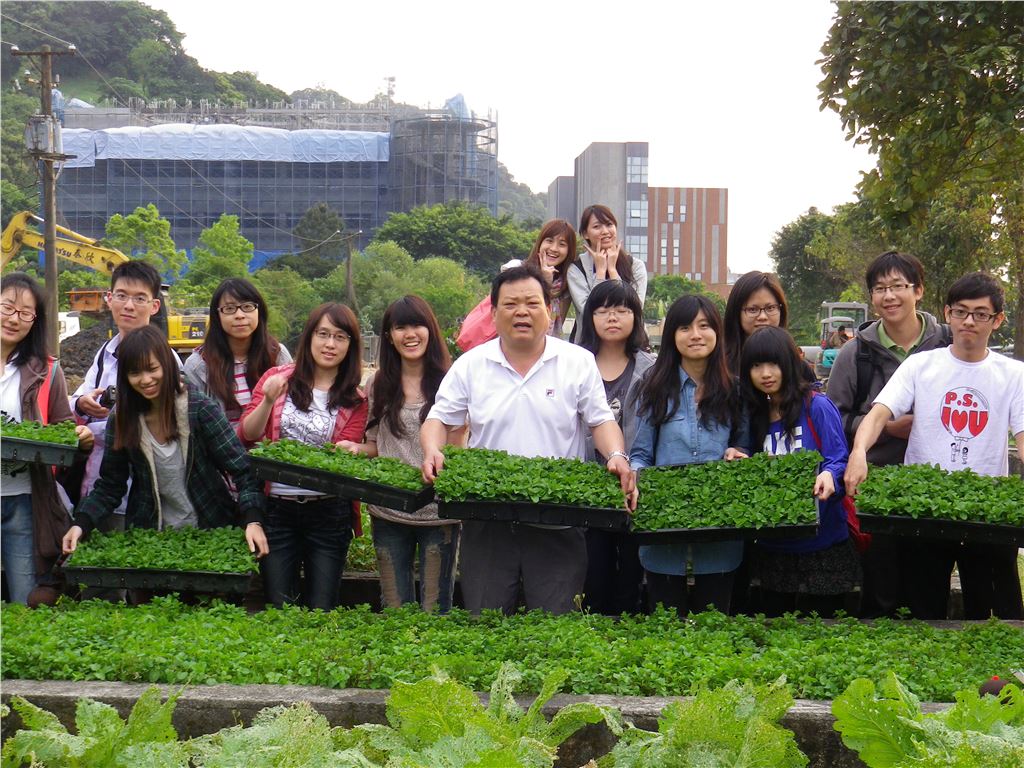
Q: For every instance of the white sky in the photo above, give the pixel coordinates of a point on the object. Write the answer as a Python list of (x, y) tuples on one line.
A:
[(724, 92)]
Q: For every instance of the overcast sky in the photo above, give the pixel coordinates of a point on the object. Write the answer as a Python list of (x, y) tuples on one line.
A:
[(724, 92)]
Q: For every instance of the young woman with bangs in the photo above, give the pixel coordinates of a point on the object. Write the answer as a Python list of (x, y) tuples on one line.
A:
[(787, 415), (177, 446), (32, 388), (612, 328), (603, 258), (315, 400), (413, 360), (688, 411), (238, 348), (553, 253)]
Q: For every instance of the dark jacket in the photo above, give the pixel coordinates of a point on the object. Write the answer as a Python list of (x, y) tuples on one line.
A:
[(842, 383), (50, 519), (212, 449)]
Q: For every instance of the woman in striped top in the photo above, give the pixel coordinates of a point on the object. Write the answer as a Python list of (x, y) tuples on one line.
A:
[(238, 349)]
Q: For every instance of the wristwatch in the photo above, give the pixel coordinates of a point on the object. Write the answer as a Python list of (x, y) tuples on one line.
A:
[(613, 454)]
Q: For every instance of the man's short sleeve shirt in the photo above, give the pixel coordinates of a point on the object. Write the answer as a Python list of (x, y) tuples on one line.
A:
[(545, 413)]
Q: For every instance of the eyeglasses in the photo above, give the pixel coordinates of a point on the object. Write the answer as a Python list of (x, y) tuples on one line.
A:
[(246, 306), (980, 316), (120, 297), (27, 315), (881, 290), (341, 337), (769, 309), (604, 312)]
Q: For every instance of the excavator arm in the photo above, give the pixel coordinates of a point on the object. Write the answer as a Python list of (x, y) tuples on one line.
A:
[(70, 245)]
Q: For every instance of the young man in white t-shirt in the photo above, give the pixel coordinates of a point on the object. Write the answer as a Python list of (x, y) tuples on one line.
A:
[(965, 399)]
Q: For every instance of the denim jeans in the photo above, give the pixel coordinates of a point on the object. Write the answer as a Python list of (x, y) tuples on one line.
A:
[(16, 546), (396, 545), (313, 537)]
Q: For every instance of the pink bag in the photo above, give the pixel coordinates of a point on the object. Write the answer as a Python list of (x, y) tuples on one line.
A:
[(478, 327)]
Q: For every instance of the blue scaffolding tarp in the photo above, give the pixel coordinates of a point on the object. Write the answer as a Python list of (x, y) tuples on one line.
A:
[(184, 141)]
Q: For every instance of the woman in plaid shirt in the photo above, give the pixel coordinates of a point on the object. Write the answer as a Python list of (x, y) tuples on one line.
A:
[(176, 445)]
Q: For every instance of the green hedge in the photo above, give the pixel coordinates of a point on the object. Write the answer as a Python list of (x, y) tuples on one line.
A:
[(168, 642)]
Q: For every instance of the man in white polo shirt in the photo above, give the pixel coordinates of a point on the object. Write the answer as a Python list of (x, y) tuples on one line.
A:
[(533, 395)]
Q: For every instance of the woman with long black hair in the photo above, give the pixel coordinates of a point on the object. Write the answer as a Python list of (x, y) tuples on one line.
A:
[(413, 360), (315, 400), (787, 415), (689, 413), (612, 328), (32, 388), (603, 258), (176, 445), (238, 348)]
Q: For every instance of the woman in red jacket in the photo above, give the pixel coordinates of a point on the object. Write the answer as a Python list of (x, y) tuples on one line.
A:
[(316, 400)]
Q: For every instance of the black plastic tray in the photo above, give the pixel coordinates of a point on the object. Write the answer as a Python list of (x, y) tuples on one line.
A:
[(152, 578), (528, 512), (694, 535), (933, 528), (342, 485), (20, 449)]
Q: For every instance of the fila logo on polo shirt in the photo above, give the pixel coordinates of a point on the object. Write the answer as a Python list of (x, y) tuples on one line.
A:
[(549, 393)]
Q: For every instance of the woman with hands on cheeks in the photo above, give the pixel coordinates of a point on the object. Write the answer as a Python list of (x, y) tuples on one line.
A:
[(177, 446), (688, 412), (315, 400), (553, 253), (604, 258)]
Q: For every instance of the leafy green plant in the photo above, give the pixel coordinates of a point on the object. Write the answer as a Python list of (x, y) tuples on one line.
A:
[(103, 739), (658, 655), (361, 554), (61, 433), (220, 550), (925, 491), (753, 493), (888, 730), (482, 474), (736, 725), (381, 469)]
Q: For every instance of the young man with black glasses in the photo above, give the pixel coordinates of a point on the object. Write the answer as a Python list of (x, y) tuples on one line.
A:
[(895, 284), (965, 399)]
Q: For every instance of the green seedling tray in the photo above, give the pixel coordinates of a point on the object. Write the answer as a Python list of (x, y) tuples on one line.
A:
[(153, 578), (528, 512), (934, 528), (35, 452), (343, 486)]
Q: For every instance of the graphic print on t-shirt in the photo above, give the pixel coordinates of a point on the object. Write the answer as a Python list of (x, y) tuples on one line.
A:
[(778, 442), (964, 414)]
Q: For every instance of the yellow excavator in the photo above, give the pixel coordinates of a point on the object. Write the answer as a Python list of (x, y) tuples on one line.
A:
[(185, 332)]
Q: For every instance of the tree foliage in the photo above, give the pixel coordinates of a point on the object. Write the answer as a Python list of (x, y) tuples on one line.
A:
[(145, 234), (937, 91), (290, 298), (663, 290), (222, 253), (458, 231), (320, 244), (518, 201)]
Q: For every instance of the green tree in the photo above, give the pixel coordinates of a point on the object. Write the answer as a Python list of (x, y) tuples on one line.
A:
[(807, 278), (20, 185), (519, 202), (290, 298), (448, 288), (937, 91), (663, 290), (146, 234), (461, 232), (222, 252), (320, 244)]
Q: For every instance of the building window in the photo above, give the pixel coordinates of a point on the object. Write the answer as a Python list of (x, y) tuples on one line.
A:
[(682, 212), (697, 277), (636, 170), (671, 211)]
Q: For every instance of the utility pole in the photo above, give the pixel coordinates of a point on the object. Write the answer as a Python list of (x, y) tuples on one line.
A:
[(43, 139)]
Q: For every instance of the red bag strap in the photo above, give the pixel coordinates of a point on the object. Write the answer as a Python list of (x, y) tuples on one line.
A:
[(810, 422), (43, 398)]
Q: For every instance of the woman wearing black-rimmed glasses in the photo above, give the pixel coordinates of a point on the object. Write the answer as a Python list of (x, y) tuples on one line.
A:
[(238, 348), (316, 400)]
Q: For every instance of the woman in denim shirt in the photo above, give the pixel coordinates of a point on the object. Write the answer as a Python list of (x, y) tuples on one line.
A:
[(687, 415)]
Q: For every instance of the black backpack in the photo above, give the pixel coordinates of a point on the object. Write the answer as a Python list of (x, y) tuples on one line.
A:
[(868, 363)]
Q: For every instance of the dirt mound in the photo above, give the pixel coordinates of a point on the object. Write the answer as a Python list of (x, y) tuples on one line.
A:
[(78, 351)]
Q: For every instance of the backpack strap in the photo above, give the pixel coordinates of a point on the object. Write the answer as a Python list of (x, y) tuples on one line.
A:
[(100, 362), (43, 397), (866, 366), (810, 421)]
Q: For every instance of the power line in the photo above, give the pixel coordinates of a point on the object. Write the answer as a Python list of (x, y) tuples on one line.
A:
[(41, 32)]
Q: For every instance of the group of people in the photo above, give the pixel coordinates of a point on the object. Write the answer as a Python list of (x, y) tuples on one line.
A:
[(172, 451)]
